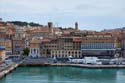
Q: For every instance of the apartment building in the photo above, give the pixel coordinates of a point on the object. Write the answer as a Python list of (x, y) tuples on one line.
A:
[(67, 47), (7, 31), (18, 44), (47, 45), (122, 34), (7, 44)]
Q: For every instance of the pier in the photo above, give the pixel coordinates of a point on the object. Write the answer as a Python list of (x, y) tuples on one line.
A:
[(8, 69)]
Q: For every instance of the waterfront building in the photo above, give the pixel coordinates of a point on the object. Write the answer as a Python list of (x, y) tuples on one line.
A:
[(35, 48), (46, 46), (99, 44), (66, 53), (2, 53), (67, 47), (61, 47), (123, 43)]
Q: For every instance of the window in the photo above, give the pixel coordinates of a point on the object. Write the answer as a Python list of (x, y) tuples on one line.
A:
[(34, 50)]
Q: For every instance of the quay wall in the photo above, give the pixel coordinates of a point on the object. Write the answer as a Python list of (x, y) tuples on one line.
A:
[(75, 65), (8, 70)]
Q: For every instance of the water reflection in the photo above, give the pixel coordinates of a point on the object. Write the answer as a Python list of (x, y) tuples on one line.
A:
[(64, 75)]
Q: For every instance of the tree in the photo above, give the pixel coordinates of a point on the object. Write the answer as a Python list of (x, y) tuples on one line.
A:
[(0, 58), (26, 52)]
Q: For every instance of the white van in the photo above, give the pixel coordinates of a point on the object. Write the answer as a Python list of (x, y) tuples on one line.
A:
[(92, 60)]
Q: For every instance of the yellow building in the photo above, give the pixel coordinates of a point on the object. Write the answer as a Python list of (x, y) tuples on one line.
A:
[(67, 47), (2, 53), (7, 44)]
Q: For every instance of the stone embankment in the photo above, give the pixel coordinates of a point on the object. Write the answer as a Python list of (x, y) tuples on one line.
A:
[(75, 65), (8, 69), (49, 62), (89, 66)]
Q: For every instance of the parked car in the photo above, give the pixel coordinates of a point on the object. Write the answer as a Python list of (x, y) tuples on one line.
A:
[(112, 61), (77, 61), (123, 62), (8, 62)]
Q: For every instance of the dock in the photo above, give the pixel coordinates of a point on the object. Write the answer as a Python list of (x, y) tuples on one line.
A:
[(8, 69)]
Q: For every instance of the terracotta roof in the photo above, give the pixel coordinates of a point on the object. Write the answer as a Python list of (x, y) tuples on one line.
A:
[(35, 41), (2, 24), (45, 40), (9, 31)]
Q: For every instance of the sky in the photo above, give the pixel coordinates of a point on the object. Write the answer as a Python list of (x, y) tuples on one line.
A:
[(90, 14)]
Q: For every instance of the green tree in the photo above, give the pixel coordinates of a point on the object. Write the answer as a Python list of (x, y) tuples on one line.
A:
[(0, 58), (26, 52)]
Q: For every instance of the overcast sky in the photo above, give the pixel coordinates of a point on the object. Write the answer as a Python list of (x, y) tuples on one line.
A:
[(90, 14)]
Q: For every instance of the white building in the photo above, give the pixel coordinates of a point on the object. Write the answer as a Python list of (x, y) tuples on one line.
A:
[(35, 48), (34, 52)]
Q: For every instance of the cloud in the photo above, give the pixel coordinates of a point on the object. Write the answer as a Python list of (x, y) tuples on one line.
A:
[(84, 7), (96, 13)]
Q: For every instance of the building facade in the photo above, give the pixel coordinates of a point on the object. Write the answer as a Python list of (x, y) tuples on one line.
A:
[(8, 45), (67, 47), (99, 44), (18, 45), (2, 53), (35, 48)]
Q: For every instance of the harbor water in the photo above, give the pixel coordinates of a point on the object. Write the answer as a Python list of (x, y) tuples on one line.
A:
[(64, 75)]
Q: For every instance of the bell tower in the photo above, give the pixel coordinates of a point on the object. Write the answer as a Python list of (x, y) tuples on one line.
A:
[(76, 25), (50, 26)]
